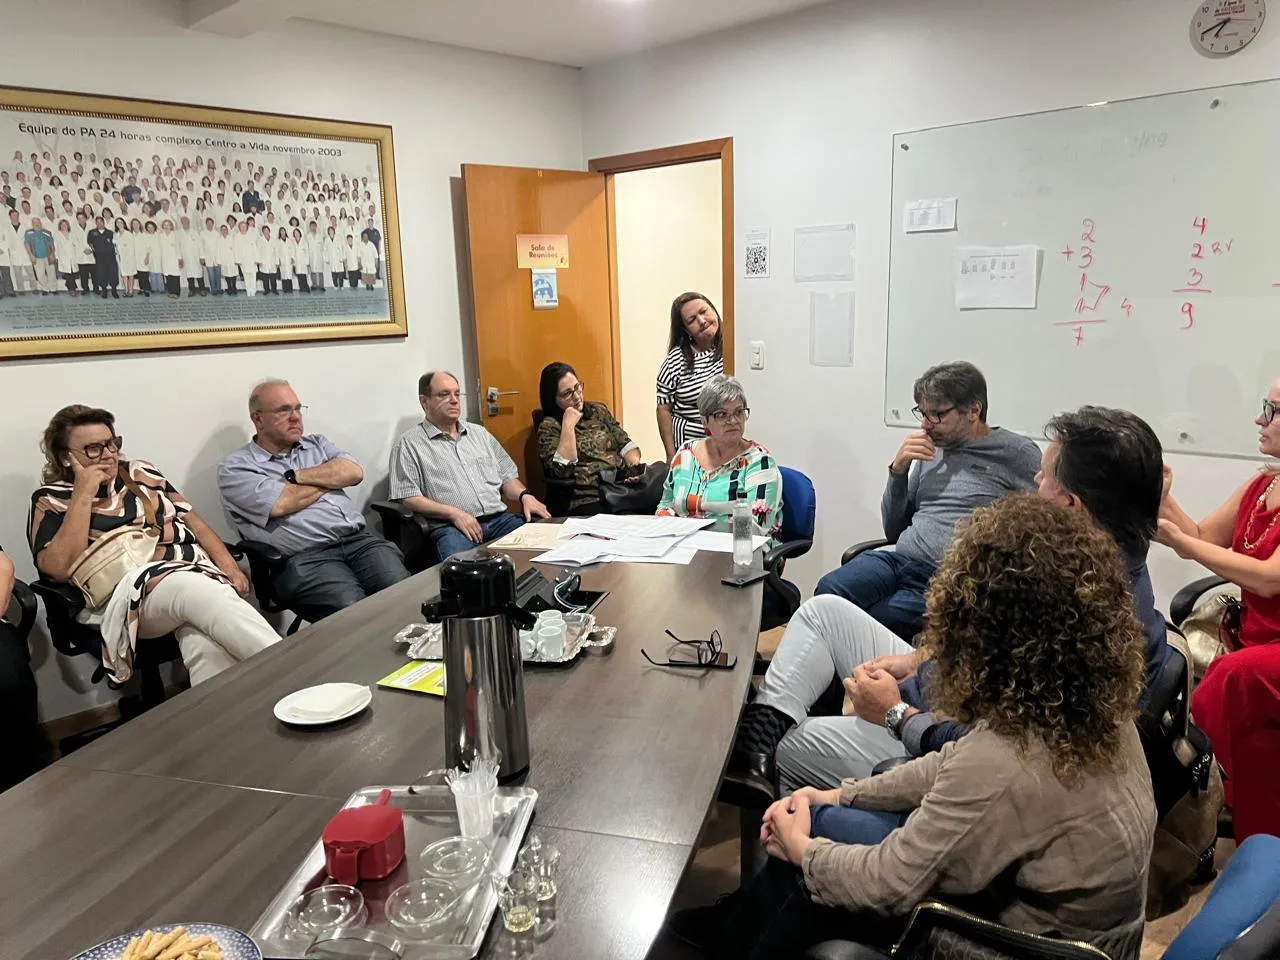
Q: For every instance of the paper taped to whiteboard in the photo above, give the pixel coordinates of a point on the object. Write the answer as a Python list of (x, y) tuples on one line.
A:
[(927, 216), (997, 278), (831, 329), (824, 253)]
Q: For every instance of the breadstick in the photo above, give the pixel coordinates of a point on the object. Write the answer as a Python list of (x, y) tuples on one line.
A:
[(213, 954), (184, 945), (142, 947), (162, 942), (131, 950)]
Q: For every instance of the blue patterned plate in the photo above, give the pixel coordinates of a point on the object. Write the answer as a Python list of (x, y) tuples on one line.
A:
[(235, 945)]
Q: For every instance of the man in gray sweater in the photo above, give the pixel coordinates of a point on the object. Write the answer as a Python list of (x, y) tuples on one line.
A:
[(954, 464)]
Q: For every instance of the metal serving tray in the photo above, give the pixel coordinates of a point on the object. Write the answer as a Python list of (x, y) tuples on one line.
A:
[(429, 815)]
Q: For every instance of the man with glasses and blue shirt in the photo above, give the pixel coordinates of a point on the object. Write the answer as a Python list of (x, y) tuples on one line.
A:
[(943, 472), (456, 473), (288, 489)]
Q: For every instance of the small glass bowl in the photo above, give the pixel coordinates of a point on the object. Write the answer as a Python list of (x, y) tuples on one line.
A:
[(420, 905), (459, 861), (326, 909)]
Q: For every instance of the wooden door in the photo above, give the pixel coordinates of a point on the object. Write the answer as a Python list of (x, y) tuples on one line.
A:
[(513, 340)]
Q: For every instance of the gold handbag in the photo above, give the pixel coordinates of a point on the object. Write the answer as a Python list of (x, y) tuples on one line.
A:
[(1212, 629), (117, 553)]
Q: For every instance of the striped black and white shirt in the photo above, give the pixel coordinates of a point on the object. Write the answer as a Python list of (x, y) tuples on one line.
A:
[(678, 388), (467, 473)]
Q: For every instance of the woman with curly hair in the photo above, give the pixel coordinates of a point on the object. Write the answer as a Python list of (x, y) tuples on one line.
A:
[(1042, 817)]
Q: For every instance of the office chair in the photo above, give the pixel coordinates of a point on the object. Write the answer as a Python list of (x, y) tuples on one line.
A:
[(409, 531), (62, 605), (1185, 600), (799, 516), (937, 929), (557, 493), (265, 564), (23, 603)]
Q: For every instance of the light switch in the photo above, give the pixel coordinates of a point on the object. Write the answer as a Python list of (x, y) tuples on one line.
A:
[(757, 354)]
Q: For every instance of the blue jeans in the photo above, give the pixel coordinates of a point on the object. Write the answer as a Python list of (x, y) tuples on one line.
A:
[(887, 585), (851, 825), (214, 277), (323, 580), (450, 540)]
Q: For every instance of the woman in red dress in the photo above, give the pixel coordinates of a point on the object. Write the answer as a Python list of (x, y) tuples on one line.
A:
[(1238, 702)]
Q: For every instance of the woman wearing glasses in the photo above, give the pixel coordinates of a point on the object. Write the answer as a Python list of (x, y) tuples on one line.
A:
[(576, 439), (695, 356), (1041, 819), (1237, 703), (708, 475), (192, 587)]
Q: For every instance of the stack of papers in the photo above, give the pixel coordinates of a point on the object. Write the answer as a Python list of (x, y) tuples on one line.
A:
[(629, 539)]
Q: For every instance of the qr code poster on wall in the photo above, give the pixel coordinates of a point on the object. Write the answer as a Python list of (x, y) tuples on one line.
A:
[(756, 253)]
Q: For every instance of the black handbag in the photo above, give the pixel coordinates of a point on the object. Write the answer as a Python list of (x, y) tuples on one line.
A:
[(617, 496)]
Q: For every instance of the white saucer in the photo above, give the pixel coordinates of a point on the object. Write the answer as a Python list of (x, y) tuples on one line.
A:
[(325, 703)]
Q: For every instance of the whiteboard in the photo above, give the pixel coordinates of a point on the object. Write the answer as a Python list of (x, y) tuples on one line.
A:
[(1159, 278)]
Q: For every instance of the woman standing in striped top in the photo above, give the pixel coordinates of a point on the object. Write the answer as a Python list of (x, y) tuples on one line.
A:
[(696, 355)]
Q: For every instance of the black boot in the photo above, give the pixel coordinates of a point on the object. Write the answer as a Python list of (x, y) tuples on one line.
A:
[(751, 779), (699, 927)]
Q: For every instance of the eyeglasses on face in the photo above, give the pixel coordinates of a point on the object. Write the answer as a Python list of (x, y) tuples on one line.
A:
[(933, 416), (298, 408), (95, 451), (705, 651), (724, 416), (443, 395), (1269, 411), (574, 391)]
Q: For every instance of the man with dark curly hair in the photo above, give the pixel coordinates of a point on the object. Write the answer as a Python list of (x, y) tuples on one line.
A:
[(1041, 818), (1105, 463)]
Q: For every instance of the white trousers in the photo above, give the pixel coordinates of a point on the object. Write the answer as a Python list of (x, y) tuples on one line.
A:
[(46, 276), (828, 637), (215, 628)]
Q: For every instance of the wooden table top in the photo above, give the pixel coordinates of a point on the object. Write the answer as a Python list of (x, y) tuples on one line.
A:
[(626, 758)]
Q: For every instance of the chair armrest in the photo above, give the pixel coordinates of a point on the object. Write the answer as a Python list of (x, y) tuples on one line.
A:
[(862, 547), (24, 599), (844, 950), (252, 550), (1184, 601), (775, 555), (394, 513), (893, 763), (62, 600)]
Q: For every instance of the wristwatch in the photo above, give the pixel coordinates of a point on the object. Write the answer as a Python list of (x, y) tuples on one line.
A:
[(290, 476), (893, 719)]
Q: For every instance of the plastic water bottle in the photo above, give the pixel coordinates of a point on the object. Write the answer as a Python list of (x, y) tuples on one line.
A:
[(741, 534)]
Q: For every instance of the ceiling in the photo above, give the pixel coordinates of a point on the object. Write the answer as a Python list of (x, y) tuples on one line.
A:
[(572, 32)]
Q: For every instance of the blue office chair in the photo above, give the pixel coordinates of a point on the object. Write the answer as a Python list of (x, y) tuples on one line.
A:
[(799, 516)]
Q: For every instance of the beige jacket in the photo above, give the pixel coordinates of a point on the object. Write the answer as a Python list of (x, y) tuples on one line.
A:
[(994, 826)]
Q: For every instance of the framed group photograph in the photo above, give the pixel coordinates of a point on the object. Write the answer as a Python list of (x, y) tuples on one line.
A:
[(140, 225)]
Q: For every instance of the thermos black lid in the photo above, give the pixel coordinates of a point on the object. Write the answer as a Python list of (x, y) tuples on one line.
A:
[(477, 583)]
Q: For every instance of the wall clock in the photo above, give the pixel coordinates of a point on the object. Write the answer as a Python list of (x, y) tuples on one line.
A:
[(1223, 27)]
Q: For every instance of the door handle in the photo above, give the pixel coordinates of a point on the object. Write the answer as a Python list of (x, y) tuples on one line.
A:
[(493, 393)]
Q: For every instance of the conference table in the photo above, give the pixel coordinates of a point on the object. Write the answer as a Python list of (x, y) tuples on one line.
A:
[(201, 808)]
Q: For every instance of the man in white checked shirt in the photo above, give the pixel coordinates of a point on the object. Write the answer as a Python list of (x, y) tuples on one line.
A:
[(457, 473)]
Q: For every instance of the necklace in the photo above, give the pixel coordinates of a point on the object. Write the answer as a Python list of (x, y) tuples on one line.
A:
[(1258, 508)]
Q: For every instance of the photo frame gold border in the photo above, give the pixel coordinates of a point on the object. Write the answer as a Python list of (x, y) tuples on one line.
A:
[(247, 121)]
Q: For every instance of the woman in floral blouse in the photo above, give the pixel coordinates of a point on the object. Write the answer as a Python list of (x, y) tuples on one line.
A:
[(708, 475)]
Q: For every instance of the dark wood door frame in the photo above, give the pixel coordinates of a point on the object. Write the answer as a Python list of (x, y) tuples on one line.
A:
[(721, 150)]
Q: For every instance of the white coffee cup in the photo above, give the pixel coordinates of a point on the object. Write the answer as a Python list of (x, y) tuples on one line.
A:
[(551, 638), (528, 644), (550, 616)]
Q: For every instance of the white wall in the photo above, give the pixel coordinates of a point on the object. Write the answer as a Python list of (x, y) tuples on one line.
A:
[(185, 410), (669, 240), (812, 101)]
